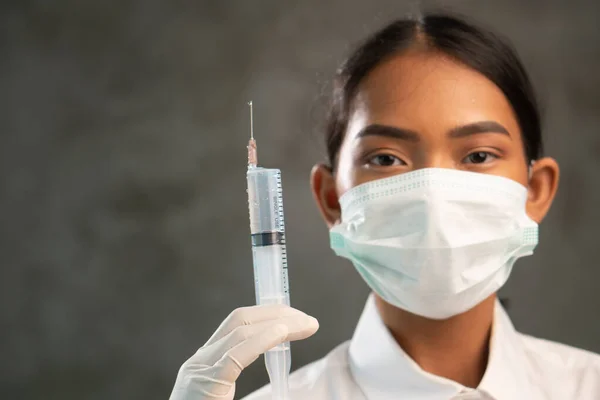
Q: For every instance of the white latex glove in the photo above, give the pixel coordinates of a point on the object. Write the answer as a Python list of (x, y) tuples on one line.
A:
[(246, 333)]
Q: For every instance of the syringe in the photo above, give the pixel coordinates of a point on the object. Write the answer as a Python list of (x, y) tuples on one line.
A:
[(265, 199)]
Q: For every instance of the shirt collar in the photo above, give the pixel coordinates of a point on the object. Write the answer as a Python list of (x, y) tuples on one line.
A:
[(384, 371)]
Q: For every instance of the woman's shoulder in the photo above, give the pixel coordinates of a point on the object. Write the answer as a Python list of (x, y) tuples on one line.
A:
[(313, 381), (559, 354), (562, 367)]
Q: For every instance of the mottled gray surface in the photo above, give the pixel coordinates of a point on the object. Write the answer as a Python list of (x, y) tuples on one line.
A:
[(123, 216)]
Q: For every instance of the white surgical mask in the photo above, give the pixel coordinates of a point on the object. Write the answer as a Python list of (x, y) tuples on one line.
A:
[(435, 242)]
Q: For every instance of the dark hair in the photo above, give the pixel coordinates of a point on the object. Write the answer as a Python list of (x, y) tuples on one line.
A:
[(473, 46)]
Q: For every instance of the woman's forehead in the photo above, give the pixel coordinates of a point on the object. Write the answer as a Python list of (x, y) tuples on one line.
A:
[(427, 88)]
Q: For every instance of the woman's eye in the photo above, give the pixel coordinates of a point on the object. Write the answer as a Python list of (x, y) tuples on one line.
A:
[(479, 157), (385, 160)]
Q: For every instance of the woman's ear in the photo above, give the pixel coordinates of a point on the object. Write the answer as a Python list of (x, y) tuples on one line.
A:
[(324, 191), (543, 184)]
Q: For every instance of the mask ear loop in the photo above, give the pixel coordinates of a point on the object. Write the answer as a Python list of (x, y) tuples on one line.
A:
[(530, 170), (529, 174)]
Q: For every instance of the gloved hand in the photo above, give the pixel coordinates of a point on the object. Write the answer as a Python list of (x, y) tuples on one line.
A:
[(246, 333)]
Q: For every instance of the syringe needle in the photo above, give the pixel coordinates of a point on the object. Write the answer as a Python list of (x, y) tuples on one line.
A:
[(251, 121), (252, 154)]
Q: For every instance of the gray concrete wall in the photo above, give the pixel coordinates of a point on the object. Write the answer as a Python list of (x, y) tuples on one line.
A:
[(123, 216)]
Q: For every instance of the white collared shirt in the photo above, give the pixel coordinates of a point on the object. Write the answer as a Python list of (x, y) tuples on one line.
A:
[(372, 366)]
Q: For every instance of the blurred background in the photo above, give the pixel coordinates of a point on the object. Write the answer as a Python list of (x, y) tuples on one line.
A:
[(124, 237)]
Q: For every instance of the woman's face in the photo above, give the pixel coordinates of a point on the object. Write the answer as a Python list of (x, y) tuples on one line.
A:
[(423, 110)]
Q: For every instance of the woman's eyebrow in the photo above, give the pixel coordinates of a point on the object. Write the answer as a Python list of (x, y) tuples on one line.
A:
[(388, 131), (412, 136), (478, 128)]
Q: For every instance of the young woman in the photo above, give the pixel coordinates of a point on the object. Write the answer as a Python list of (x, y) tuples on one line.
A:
[(435, 186)]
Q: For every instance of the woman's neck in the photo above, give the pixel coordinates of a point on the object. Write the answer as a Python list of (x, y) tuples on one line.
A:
[(455, 348)]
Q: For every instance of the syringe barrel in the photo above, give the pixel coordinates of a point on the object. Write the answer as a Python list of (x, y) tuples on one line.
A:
[(267, 230)]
